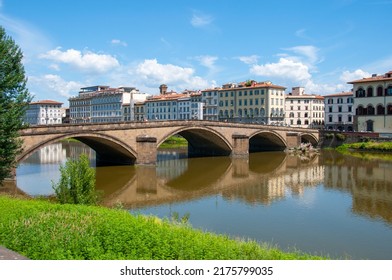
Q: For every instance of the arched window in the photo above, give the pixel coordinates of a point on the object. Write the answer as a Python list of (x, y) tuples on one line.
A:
[(262, 112), (389, 109), (220, 113), (231, 113), (369, 92), (240, 112), (370, 110), (360, 92), (299, 122), (251, 112), (245, 112), (380, 110), (379, 91), (360, 111), (226, 113), (291, 115), (257, 112)]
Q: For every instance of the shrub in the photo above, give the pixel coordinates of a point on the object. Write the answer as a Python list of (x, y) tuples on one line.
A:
[(340, 137), (77, 182)]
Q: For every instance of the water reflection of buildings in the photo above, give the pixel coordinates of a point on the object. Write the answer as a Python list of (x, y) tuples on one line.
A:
[(292, 175), (262, 179), (368, 183)]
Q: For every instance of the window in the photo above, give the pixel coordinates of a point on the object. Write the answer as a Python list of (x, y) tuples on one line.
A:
[(379, 91), (360, 93), (349, 118), (330, 118), (330, 109), (350, 108), (340, 118), (369, 92), (340, 109)]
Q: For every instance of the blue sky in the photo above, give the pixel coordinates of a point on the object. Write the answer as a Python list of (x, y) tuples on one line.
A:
[(187, 44)]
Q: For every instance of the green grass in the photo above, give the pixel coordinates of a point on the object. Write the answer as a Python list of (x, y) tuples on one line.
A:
[(174, 142), (43, 230), (368, 150), (367, 146)]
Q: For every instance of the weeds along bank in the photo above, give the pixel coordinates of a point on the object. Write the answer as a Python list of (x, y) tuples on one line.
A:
[(43, 230)]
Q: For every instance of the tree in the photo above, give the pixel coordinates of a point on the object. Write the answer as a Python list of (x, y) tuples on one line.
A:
[(14, 99), (77, 182)]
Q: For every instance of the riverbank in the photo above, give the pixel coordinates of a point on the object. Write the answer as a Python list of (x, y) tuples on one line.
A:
[(174, 142), (367, 146), (47, 231)]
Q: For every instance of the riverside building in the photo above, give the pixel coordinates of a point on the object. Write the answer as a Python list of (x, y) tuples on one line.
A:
[(98, 104), (373, 103), (339, 113), (171, 106), (304, 110), (250, 102), (44, 112)]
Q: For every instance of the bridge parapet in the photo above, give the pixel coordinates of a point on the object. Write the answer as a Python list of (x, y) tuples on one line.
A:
[(137, 142)]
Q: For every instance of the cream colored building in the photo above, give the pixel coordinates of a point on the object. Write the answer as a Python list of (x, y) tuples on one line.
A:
[(44, 112), (304, 110), (251, 102), (373, 103)]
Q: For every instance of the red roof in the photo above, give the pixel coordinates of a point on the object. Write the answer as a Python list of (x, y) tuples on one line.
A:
[(50, 102), (348, 93), (386, 77)]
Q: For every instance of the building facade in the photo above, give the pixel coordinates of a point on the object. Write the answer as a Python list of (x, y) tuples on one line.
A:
[(373, 103), (97, 104), (304, 110), (250, 102), (171, 106), (339, 113), (44, 112)]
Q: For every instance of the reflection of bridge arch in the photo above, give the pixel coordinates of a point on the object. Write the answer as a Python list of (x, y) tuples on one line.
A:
[(266, 141), (202, 141), (309, 138), (108, 149)]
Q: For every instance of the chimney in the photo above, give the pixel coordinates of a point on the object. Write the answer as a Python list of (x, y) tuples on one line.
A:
[(163, 89)]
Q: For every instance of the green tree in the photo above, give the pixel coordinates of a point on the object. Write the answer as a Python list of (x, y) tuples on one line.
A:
[(14, 99), (77, 182)]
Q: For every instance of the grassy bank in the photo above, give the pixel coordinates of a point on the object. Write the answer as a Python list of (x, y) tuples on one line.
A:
[(174, 142), (367, 146), (43, 230)]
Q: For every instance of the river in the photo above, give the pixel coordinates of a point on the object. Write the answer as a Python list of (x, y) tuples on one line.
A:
[(328, 204)]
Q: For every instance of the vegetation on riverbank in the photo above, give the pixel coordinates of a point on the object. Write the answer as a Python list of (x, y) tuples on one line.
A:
[(174, 142), (368, 150), (44, 230), (367, 146)]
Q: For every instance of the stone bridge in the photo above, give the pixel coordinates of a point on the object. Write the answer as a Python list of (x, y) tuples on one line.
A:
[(137, 142)]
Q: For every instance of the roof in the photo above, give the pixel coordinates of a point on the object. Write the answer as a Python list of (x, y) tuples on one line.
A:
[(348, 93), (374, 78), (242, 85), (48, 102), (304, 96)]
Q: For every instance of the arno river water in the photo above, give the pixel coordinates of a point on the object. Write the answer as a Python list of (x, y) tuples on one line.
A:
[(328, 204)]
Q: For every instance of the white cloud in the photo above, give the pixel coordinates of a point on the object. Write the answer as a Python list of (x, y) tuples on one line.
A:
[(207, 60), (251, 59), (348, 76), (87, 61), (56, 84), (296, 71), (309, 52), (200, 20), (117, 42), (175, 76)]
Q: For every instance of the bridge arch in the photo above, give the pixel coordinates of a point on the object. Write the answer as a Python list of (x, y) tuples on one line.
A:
[(202, 141), (309, 138), (109, 150), (266, 141)]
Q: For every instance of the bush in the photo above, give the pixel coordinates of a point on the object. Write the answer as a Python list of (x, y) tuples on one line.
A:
[(77, 182), (340, 137)]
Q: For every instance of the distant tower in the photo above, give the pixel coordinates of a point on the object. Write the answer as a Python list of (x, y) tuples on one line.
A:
[(163, 89)]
